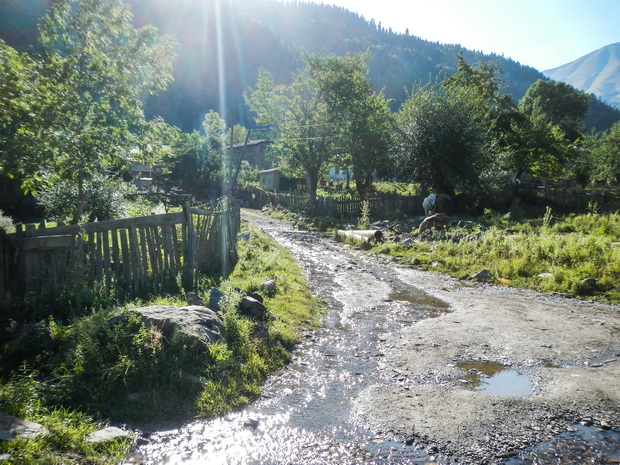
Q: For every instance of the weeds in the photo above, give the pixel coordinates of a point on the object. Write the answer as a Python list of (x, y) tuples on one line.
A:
[(575, 255)]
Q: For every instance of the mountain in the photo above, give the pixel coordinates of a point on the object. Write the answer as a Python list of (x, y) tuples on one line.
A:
[(596, 73), (222, 44)]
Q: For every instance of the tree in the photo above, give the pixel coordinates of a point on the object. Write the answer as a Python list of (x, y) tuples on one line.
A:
[(441, 141), (604, 154), (557, 104), (555, 114), (301, 122), (363, 118), (86, 111)]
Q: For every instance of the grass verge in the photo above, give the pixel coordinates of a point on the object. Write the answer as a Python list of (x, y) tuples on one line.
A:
[(575, 255)]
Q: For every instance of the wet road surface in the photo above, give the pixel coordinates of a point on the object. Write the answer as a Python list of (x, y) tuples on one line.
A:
[(305, 414)]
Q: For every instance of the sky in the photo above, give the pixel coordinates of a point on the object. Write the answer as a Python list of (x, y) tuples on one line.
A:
[(543, 34)]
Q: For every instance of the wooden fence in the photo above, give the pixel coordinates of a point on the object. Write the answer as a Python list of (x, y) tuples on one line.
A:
[(140, 255), (350, 205), (569, 198), (338, 206)]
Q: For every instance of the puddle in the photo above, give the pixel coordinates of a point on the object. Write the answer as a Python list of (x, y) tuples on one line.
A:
[(425, 305), (495, 378)]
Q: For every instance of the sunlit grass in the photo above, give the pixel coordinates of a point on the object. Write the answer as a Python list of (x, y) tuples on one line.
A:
[(577, 255)]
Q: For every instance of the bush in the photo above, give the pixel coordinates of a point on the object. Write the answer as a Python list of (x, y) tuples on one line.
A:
[(6, 223), (104, 200)]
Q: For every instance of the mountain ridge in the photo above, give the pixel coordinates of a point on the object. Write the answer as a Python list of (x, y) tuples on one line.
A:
[(219, 56), (596, 73)]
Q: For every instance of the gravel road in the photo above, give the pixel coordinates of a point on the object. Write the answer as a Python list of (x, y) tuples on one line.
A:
[(566, 350)]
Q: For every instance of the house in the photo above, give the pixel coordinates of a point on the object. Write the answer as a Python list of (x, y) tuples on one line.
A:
[(273, 180), (143, 175), (253, 152)]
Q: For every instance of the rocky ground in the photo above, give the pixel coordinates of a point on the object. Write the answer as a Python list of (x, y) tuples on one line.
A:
[(569, 349)]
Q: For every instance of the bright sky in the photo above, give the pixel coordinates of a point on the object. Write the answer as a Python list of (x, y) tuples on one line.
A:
[(543, 34)]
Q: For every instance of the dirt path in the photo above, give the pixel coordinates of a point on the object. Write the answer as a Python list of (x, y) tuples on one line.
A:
[(568, 349)]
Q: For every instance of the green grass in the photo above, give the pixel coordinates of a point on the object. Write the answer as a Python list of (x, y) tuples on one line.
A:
[(68, 375), (569, 252)]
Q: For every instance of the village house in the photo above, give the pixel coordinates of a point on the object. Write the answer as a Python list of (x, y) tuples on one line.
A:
[(273, 180)]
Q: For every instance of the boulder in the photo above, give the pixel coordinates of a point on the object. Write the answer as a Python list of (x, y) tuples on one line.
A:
[(269, 287), (436, 221), (12, 427), (193, 299), (199, 323), (215, 299)]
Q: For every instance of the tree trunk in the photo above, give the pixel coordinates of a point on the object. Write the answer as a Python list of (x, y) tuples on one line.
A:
[(81, 204)]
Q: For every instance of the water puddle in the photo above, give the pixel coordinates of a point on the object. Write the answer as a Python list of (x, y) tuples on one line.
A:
[(585, 444), (495, 378)]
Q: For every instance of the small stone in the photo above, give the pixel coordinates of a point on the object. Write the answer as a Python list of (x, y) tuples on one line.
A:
[(251, 423), (482, 276), (111, 433)]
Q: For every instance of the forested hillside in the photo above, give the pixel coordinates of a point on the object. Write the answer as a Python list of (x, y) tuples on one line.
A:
[(223, 44)]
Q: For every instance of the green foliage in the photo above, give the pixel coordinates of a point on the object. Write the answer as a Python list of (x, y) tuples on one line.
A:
[(65, 441), (300, 119), (362, 117), (442, 141), (103, 196), (84, 110), (6, 223), (364, 220)]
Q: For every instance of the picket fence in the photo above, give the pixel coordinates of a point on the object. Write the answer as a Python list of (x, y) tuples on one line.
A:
[(139, 255)]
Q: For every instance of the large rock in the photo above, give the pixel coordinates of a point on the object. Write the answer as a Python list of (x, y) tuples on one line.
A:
[(199, 323), (436, 221), (12, 427)]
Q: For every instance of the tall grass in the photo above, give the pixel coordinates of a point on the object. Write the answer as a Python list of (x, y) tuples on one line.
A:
[(577, 255)]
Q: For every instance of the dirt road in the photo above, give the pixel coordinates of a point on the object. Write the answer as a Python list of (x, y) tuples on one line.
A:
[(567, 351)]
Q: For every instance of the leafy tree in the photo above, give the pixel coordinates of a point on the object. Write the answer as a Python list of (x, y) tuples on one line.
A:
[(441, 140), (85, 109), (362, 117), (300, 118), (557, 104), (604, 154), (555, 114)]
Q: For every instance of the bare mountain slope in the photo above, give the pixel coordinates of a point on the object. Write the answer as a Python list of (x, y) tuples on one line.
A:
[(596, 73)]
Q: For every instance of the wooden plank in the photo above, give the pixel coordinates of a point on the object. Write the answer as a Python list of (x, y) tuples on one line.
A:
[(126, 263), (159, 242), (136, 266), (176, 246), (90, 256), (151, 234), (166, 243), (115, 237), (107, 268), (145, 255), (99, 226), (98, 259), (47, 242)]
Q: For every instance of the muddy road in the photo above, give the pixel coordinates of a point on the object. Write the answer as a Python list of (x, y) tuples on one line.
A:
[(414, 368)]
